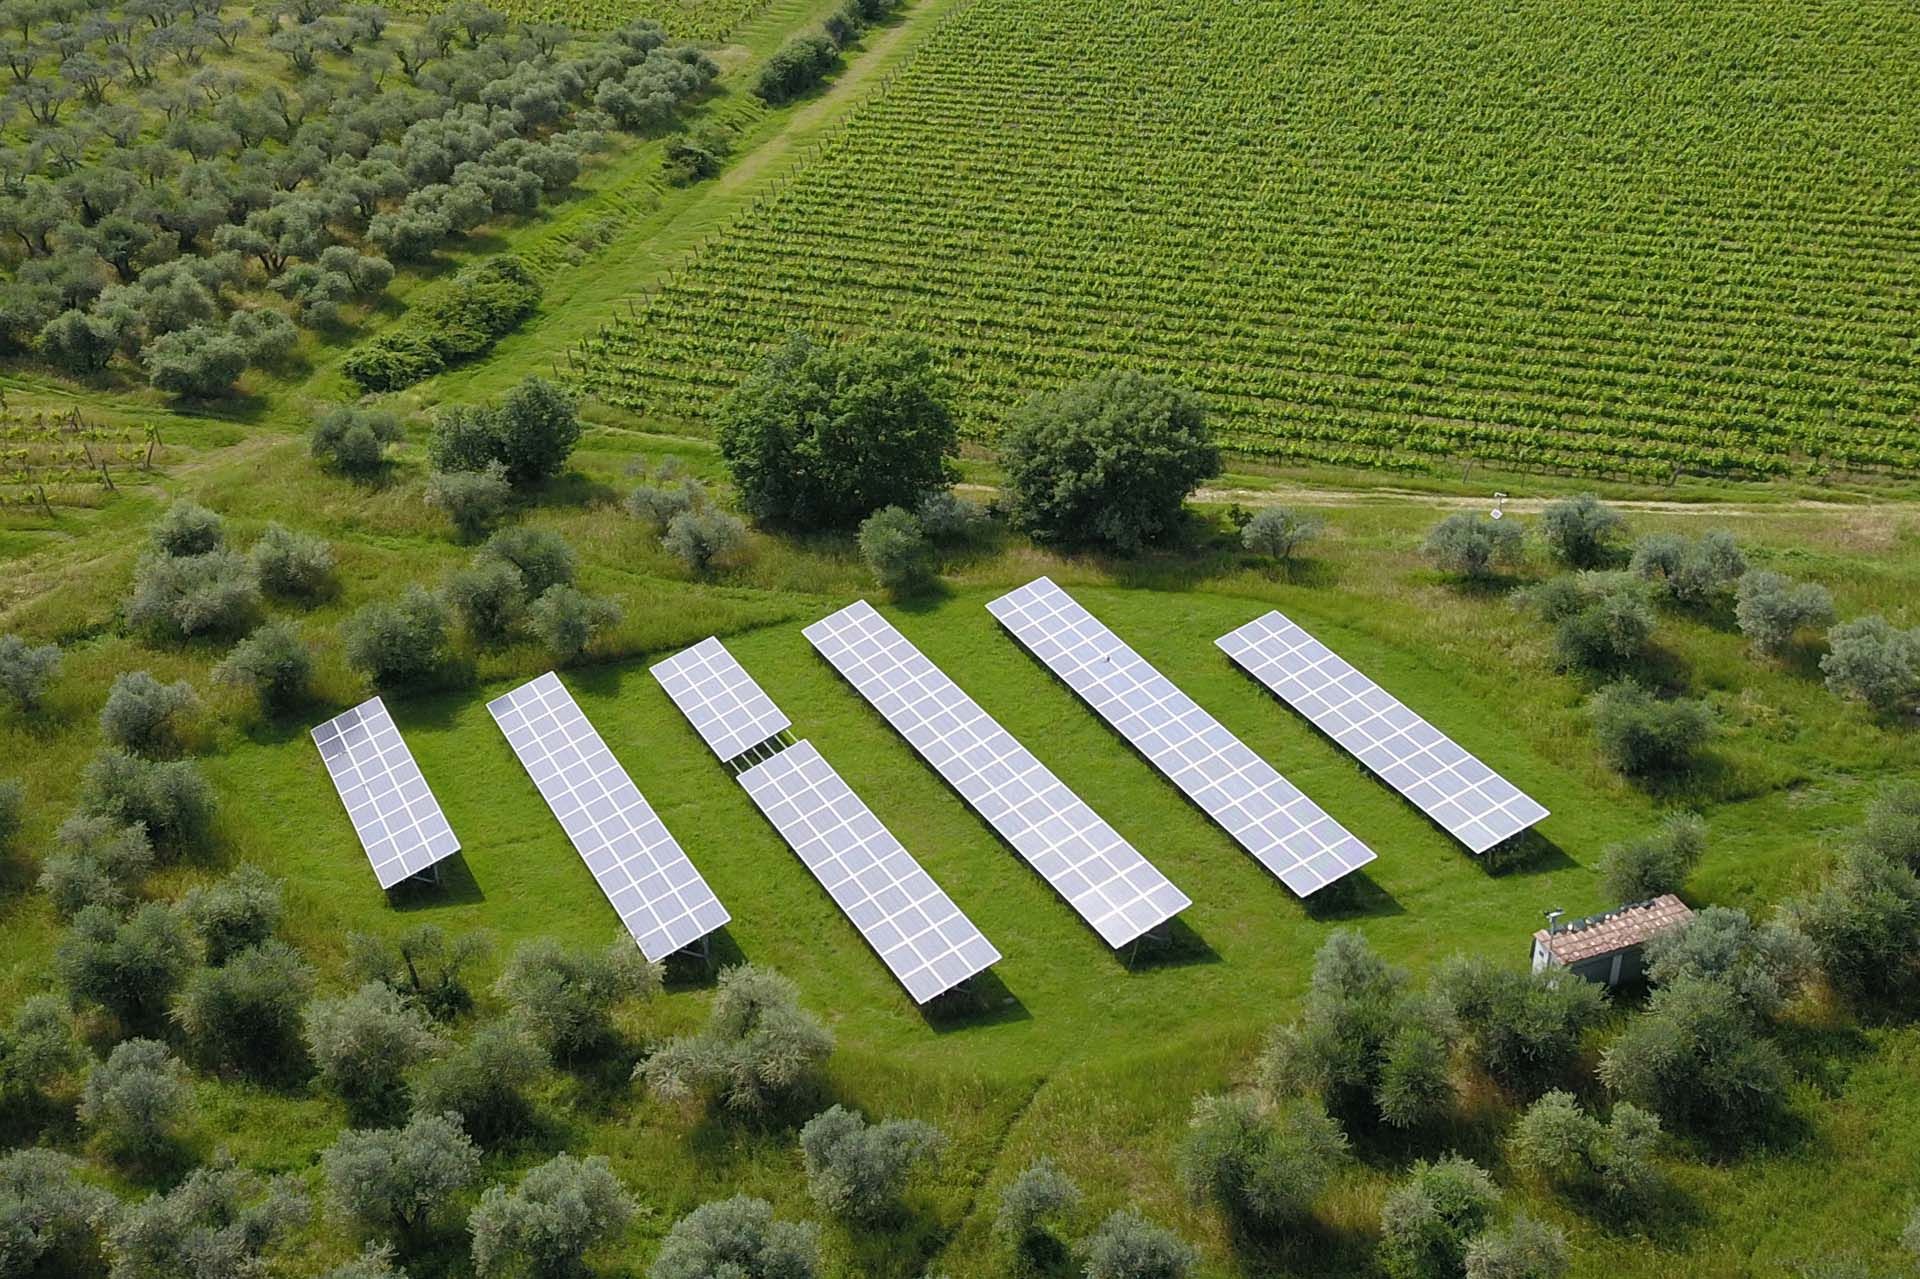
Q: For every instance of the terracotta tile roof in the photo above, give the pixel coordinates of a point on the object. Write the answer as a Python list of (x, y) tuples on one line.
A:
[(1615, 929)]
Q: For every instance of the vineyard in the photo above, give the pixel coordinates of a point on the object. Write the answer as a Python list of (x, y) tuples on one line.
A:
[(51, 459), (1600, 238), (686, 19)]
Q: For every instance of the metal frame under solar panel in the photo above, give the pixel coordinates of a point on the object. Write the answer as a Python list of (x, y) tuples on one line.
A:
[(730, 712), (1116, 890), (653, 887), (1470, 801), (393, 810), (1266, 814), (910, 922)]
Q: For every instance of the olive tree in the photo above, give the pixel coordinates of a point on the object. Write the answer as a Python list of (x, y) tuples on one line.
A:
[(1870, 660), (1109, 461), (1773, 609), (1760, 965), (1863, 923), (741, 1239), (1656, 863), (399, 642), (896, 549), (273, 663), (1524, 1248), (180, 597), (26, 670), (1645, 736), (541, 558), (1581, 531), (1278, 532), (1697, 1059), (1573, 1151), (473, 500), (54, 1222), (136, 1099), (131, 967), (363, 1045), (244, 1017), (1474, 546), (1601, 621), (396, 1180), (759, 1049), (354, 440), (488, 596), (484, 1081), (566, 621), (145, 717), (1262, 1168), (702, 539), (423, 965), (290, 565), (172, 801), (95, 861), (1032, 1207), (217, 1224), (859, 1171), (1892, 826), (1128, 1246), (1429, 1219), (565, 998), (1522, 1027), (546, 1224), (1695, 572), (36, 1049), (235, 913), (187, 528)]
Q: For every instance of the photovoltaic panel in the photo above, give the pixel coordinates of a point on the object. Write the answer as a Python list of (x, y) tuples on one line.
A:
[(654, 889), (394, 813), (914, 926), (1285, 831), (718, 697), (1475, 804), (1114, 888)]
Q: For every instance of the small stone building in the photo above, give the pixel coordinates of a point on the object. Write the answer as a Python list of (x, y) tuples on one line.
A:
[(1608, 947)]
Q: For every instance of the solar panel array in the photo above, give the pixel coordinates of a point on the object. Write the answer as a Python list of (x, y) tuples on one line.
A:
[(718, 697), (394, 813), (1476, 805), (1285, 831), (657, 893), (914, 926), (1111, 885)]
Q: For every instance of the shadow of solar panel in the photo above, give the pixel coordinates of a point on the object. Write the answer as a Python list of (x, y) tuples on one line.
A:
[(1266, 814), (921, 936), (1116, 890), (393, 811), (729, 711), (1470, 801), (652, 885)]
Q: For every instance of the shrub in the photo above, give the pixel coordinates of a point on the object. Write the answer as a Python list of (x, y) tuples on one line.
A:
[(1523, 1249), (234, 913), (181, 597), (244, 1017), (739, 1238), (171, 800), (1581, 531), (488, 595), (655, 505), (565, 621), (1523, 1028), (1278, 532), (1474, 546), (292, 566), (473, 500), (565, 998), (1032, 1205), (796, 67), (1863, 923), (1645, 737), (702, 539), (54, 1220), (543, 559), (1602, 621), (1429, 1218), (374, 1262), (363, 1045), (423, 966), (1762, 966), (896, 549), (354, 440), (1261, 1170), (1696, 1058), (96, 862), (398, 643), (214, 1225), (545, 1225), (1573, 1151), (1869, 660), (1892, 826), (530, 433), (130, 968), (273, 663), (1108, 461), (1638, 869), (397, 1179), (136, 1099), (36, 1049), (945, 516), (26, 670), (484, 302), (393, 360), (1128, 1246), (759, 1048), (186, 528), (142, 716), (484, 1082), (858, 1170), (1697, 573), (1773, 609)]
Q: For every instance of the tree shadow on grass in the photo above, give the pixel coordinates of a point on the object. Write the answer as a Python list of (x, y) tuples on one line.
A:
[(1310, 1248)]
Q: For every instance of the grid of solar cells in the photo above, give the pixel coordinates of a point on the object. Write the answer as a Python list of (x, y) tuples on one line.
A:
[(394, 813), (1103, 877), (913, 925), (1475, 804), (1266, 814), (718, 697), (654, 889)]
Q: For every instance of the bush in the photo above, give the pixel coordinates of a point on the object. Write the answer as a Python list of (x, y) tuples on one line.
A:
[(136, 1099), (1762, 966), (796, 67), (393, 360), (1278, 532), (1108, 461), (1474, 546), (1863, 924), (1645, 737), (398, 643), (96, 862), (1869, 660), (142, 716), (374, 1262), (1523, 1028), (740, 1239), (1572, 1151), (55, 1221), (36, 1049), (488, 595), (1697, 573), (181, 597), (1772, 609), (292, 566), (1429, 1218), (354, 440), (473, 500), (234, 913), (171, 800), (859, 1171), (364, 1044), (1602, 621), (543, 559), (484, 1082), (423, 966), (130, 968), (1695, 1057), (26, 670), (214, 1225), (1523, 1249), (1032, 1205), (945, 516), (759, 1050), (565, 998), (530, 433), (1581, 531), (1261, 1170), (896, 549), (1892, 827), (702, 539), (186, 528), (565, 621), (546, 1224), (397, 1179), (655, 505), (244, 1017), (1639, 869), (484, 302), (1128, 1246), (273, 663)]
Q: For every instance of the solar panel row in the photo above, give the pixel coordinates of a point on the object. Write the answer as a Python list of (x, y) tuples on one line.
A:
[(721, 701), (1285, 831), (652, 885), (1111, 885), (1476, 805), (393, 811)]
